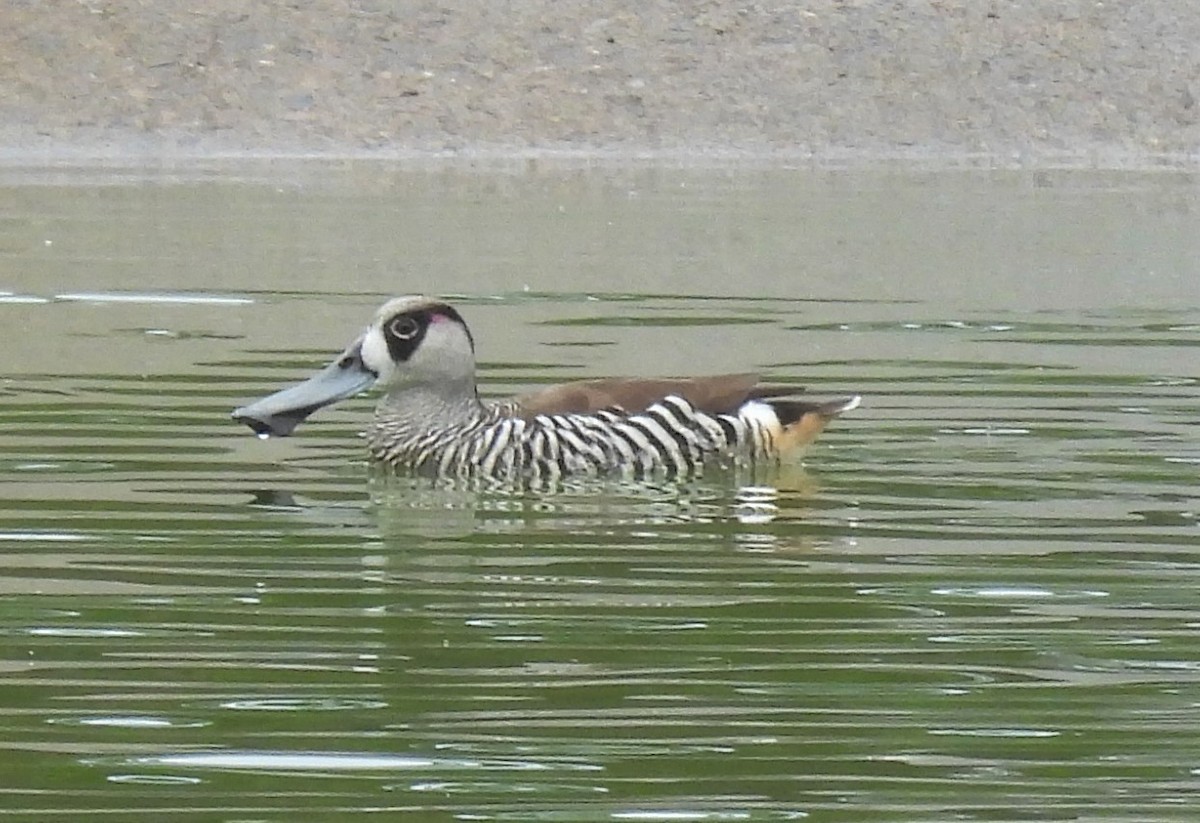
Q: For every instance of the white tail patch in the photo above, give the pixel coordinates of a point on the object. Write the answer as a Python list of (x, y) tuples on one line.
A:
[(759, 412), (763, 428)]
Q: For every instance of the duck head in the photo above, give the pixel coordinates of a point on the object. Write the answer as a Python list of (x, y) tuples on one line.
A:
[(412, 343)]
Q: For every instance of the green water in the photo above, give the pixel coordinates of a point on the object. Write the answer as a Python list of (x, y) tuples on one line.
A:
[(978, 599)]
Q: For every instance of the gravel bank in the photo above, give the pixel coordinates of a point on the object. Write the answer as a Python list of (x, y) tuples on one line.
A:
[(1094, 82)]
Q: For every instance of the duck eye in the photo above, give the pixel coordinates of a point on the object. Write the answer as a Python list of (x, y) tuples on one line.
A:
[(403, 327)]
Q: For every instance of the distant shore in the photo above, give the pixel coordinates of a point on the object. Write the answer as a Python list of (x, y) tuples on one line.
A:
[(991, 83)]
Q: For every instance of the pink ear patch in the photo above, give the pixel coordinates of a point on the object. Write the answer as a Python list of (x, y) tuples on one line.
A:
[(434, 317)]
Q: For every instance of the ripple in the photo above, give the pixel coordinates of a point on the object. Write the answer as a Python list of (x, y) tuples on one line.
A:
[(342, 762), (651, 815), (154, 779), (52, 537), (496, 787), (129, 722), (1006, 592), (654, 815), (989, 430), (303, 704), (10, 297), (134, 297), (995, 732), (55, 631)]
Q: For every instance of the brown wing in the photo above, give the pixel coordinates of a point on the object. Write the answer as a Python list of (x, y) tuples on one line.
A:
[(722, 393)]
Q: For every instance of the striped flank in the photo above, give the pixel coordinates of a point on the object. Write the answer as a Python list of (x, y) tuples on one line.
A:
[(671, 436)]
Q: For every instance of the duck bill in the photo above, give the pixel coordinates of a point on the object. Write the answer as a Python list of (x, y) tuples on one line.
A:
[(278, 414)]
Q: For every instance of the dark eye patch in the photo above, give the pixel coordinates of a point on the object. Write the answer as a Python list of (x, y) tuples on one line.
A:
[(405, 331), (404, 327)]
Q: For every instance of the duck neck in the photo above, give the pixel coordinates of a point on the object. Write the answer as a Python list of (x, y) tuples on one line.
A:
[(413, 414)]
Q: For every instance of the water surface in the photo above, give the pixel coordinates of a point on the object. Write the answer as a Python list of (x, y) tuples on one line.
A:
[(975, 601)]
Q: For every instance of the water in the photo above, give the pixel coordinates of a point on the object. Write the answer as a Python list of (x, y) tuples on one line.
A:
[(976, 601)]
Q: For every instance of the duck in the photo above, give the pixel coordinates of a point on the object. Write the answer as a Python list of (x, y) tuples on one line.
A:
[(419, 352)]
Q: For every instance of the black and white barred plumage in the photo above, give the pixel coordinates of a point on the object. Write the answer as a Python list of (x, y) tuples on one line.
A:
[(671, 435)]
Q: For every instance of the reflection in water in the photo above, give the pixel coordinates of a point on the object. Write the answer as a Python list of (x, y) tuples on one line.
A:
[(641, 510), (556, 504), (975, 600)]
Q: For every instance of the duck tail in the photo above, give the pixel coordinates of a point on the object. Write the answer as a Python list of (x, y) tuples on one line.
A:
[(801, 421)]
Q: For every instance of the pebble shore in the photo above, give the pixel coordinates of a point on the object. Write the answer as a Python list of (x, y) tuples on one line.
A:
[(1100, 83)]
